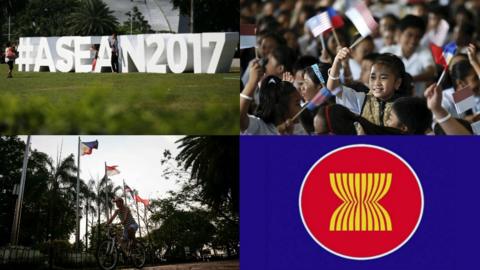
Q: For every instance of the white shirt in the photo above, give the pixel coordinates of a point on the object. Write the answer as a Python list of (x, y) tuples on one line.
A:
[(257, 126), (448, 103), (351, 99), (417, 64)]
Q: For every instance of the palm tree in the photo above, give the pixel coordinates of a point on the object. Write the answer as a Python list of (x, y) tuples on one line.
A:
[(90, 197), (213, 161), (91, 18)]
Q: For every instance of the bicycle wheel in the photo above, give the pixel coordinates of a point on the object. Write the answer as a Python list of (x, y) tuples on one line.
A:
[(138, 255), (107, 255)]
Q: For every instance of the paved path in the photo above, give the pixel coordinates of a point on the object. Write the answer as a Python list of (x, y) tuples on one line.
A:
[(223, 265)]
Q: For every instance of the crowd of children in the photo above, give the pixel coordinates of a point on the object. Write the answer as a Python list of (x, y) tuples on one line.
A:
[(389, 82)]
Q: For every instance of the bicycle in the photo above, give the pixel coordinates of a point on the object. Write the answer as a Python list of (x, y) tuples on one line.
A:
[(109, 250)]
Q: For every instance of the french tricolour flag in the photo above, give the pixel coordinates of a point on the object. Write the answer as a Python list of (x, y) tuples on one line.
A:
[(86, 148), (463, 99), (442, 56), (319, 23), (247, 36), (362, 19)]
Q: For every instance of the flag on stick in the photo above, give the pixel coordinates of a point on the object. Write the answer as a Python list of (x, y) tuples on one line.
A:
[(247, 36), (362, 19), (319, 24), (112, 170), (464, 99), (87, 147), (335, 18)]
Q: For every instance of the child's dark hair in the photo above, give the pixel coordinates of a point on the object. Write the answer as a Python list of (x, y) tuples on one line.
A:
[(340, 121), (412, 21), (274, 100), (390, 16), (396, 66), (276, 37), (460, 71), (285, 56), (414, 114), (303, 62)]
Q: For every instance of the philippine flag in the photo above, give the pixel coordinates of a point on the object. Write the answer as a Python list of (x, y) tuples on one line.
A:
[(112, 170), (442, 56), (86, 148), (362, 19), (319, 24)]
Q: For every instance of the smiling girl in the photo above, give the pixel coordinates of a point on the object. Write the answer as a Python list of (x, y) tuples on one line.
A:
[(388, 81)]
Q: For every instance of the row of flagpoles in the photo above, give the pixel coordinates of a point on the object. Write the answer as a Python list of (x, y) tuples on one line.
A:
[(84, 148)]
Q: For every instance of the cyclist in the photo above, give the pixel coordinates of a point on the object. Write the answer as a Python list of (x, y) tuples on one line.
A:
[(129, 224)]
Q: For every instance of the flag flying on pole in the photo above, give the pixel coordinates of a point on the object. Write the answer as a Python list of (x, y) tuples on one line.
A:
[(86, 148), (144, 201), (112, 170), (319, 24), (335, 18), (247, 36), (442, 56), (464, 99), (362, 19), (128, 189)]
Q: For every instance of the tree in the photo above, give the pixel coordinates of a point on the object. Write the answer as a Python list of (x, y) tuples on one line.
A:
[(213, 161), (223, 15), (136, 23), (44, 18), (92, 18)]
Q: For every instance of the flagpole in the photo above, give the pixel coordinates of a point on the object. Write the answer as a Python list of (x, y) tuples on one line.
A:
[(335, 36), (444, 70), (138, 216), (357, 41), (124, 194), (77, 236), (18, 205), (105, 189)]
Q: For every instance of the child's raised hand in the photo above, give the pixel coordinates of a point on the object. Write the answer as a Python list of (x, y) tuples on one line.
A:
[(433, 94), (288, 77), (255, 71), (472, 54), (343, 54), (286, 127)]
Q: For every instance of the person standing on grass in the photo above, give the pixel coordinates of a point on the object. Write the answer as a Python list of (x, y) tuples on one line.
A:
[(94, 48), (113, 42), (10, 56)]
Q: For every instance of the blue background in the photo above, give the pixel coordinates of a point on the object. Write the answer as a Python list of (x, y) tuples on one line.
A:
[(273, 235)]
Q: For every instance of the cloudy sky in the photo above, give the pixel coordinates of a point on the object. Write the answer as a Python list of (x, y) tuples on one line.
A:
[(137, 157)]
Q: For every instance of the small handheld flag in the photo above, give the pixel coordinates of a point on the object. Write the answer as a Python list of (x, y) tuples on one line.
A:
[(443, 56), (335, 18), (247, 36), (362, 19), (464, 99), (319, 98), (86, 148), (112, 170), (319, 24)]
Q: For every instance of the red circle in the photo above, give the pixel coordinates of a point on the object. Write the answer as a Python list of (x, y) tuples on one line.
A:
[(403, 202)]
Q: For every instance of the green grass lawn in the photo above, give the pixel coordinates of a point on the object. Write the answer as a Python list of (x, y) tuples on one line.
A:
[(106, 103)]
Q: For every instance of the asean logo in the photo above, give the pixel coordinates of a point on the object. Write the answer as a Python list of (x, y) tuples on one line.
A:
[(361, 202)]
